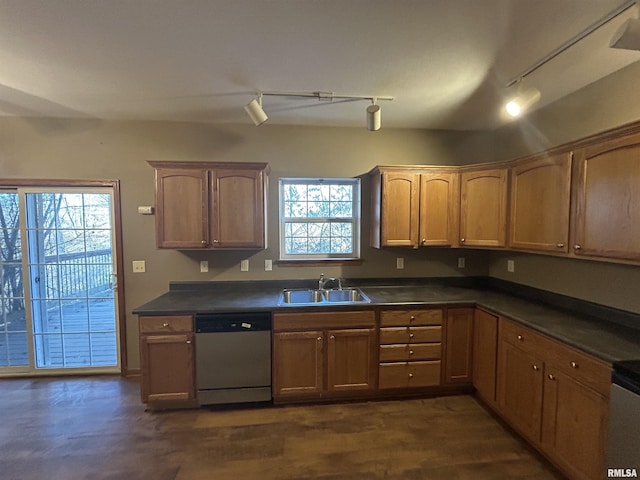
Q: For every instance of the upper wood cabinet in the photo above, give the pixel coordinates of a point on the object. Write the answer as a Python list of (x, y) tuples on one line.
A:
[(483, 207), (540, 204), (210, 205), (607, 199), (412, 208)]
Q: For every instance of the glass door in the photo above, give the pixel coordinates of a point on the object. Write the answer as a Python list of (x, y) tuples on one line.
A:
[(68, 265)]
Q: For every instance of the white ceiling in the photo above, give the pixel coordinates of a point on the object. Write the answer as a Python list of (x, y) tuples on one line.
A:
[(446, 62)]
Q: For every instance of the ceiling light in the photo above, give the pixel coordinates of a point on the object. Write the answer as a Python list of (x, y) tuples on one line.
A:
[(627, 36), (373, 117), (255, 111), (522, 102), (258, 116)]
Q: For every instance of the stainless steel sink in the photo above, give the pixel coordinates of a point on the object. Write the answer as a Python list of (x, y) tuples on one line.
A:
[(322, 297)]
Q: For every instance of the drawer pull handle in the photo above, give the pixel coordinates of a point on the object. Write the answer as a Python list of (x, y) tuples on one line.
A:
[(411, 375), (165, 324), (412, 318), (411, 335), (410, 352), (573, 365), (536, 368), (520, 337), (188, 342), (551, 377)]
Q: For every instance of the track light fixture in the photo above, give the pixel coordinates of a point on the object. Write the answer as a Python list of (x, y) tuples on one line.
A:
[(521, 102), (255, 111), (258, 116)]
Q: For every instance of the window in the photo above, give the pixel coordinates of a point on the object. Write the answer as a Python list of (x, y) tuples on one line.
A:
[(319, 218)]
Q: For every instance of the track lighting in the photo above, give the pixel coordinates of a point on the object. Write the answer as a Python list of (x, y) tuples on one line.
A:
[(258, 116), (522, 102), (255, 111), (373, 117)]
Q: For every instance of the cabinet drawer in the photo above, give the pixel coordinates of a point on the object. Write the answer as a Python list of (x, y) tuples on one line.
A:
[(393, 318), (522, 337), (409, 374), (581, 367), (166, 324), (410, 334), (410, 352)]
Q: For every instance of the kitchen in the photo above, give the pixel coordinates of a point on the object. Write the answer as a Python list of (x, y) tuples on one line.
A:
[(91, 148)]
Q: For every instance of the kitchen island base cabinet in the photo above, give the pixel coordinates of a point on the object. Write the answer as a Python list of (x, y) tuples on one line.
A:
[(167, 360), (323, 354)]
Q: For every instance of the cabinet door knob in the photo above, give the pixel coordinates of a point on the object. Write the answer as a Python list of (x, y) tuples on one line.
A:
[(462, 240), (573, 365), (412, 318), (165, 324), (551, 377), (332, 337), (319, 339), (536, 368), (560, 245), (424, 241), (411, 335), (410, 352), (520, 337), (216, 241), (188, 342), (204, 243), (577, 247), (411, 375)]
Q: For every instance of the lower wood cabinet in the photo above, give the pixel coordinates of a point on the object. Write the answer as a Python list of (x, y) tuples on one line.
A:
[(556, 397), (485, 355), (410, 348), (458, 346), (320, 354), (167, 359)]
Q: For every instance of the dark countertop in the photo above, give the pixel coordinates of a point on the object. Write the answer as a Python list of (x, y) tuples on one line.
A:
[(606, 340)]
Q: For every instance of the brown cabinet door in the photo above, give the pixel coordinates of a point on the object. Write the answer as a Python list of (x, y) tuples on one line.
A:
[(540, 197), (607, 201), (237, 217), (439, 210), (182, 208), (297, 364), (458, 345), (483, 208), (351, 359), (167, 367), (485, 354), (574, 426), (399, 210), (520, 380)]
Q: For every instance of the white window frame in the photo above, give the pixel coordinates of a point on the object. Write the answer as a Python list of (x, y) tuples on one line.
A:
[(354, 219)]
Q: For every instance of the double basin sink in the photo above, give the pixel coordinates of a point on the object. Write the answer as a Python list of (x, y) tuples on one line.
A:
[(322, 297)]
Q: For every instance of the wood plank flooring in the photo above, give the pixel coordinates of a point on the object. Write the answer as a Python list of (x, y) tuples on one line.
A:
[(96, 428)]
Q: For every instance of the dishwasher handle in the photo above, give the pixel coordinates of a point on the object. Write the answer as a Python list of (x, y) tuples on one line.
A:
[(232, 322)]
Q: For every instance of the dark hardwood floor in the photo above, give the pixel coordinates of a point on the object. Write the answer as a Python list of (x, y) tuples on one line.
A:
[(96, 428)]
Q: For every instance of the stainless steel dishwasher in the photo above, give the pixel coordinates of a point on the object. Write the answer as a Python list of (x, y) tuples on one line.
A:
[(623, 440), (233, 357)]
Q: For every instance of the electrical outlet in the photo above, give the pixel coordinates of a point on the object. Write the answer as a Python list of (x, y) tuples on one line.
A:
[(268, 265), (139, 266), (461, 262), (399, 263), (204, 266), (244, 265), (511, 266)]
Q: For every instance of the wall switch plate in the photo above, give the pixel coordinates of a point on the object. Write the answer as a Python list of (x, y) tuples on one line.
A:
[(399, 263), (145, 210), (139, 266), (268, 265), (244, 265), (511, 266), (204, 266), (461, 262)]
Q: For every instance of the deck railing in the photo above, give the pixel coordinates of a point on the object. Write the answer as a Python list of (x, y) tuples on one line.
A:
[(73, 275)]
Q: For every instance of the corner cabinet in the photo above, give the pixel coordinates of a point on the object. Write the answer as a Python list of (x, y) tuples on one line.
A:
[(607, 199), (485, 355), (483, 207), (458, 346), (414, 207), (323, 354), (167, 360), (210, 205), (540, 204)]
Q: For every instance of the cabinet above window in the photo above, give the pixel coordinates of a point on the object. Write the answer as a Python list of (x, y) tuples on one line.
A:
[(210, 205)]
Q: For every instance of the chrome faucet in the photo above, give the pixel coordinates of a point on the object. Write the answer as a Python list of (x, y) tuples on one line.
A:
[(323, 281)]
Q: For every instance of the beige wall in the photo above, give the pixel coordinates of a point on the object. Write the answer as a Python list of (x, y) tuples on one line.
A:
[(88, 149), (609, 103)]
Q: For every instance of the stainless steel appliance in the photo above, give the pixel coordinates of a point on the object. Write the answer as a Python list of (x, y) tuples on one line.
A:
[(623, 441), (233, 357)]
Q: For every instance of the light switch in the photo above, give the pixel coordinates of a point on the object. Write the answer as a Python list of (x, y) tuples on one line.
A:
[(268, 265), (511, 266), (461, 262), (399, 263), (139, 266), (244, 265)]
